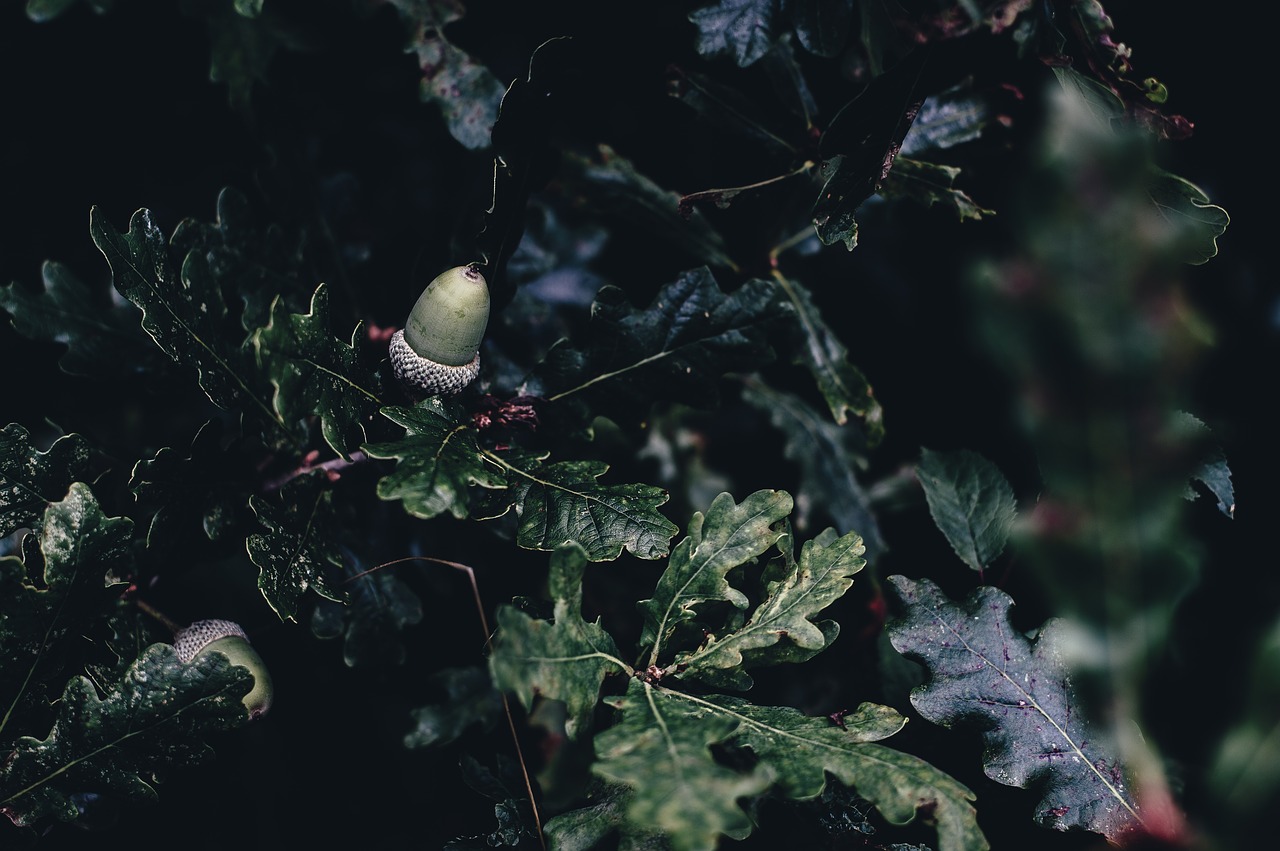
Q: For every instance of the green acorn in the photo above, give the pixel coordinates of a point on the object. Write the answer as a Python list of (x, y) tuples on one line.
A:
[(227, 638), (438, 352)]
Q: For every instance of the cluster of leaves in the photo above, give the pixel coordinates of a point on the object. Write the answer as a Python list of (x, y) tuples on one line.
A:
[(303, 451)]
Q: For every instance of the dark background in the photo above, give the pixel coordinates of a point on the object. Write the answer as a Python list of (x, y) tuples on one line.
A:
[(118, 111)]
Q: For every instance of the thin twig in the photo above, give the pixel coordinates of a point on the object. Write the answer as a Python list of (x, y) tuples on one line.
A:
[(332, 468), (145, 607), (506, 706)]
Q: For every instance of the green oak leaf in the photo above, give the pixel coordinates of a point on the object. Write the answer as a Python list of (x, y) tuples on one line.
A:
[(563, 659), (315, 373), (44, 605), (661, 750), (439, 460), (30, 479), (677, 348), (743, 29), (562, 501), (928, 184), (202, 492), (799, 751), (985, 674), (826, 456), (185, 314), (298, 550), (727, 536), (102, 338), (154, 718), (782, 627), (842, 384), (970, 501), (470, 699)]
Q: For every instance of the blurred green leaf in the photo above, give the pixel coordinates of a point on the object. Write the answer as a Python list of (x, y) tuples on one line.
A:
[(605, 813), (379, 608), (315, 373), (727, 536), (298, 551), (102, 339), (466, 92), (471, 699), (928, 184), (155, 718), (30, 479), (1213, 472), (985, 674), (970, 501), (563, 659), (47, 599)]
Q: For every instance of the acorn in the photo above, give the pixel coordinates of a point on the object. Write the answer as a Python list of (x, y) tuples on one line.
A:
[(227, 638), (438, 351)]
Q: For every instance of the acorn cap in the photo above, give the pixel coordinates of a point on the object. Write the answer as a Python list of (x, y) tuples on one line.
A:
[(438, 351), (227, 638)]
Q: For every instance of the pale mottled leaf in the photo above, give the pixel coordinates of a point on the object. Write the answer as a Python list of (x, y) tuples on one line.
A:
[(782, 627), (728, 535), (743, 29)]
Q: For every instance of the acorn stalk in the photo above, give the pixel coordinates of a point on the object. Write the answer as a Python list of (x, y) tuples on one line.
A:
[(438, 351)]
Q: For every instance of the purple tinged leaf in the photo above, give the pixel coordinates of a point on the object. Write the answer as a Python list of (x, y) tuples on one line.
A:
[(745, 29), (985, 674)]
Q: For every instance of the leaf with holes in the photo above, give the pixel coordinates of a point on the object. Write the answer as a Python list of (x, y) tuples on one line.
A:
[(30, 479), (47, 597), (563, 659), (154, 718), (440, 460), (297, 552), (985, 674), (315, 373), (562, 501)]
